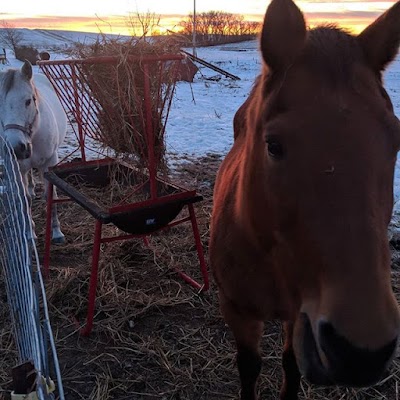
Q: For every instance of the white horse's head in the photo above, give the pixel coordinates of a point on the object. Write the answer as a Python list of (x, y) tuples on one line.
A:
[(18, 109)]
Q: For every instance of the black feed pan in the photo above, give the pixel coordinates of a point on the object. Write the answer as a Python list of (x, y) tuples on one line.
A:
[(146, 217)]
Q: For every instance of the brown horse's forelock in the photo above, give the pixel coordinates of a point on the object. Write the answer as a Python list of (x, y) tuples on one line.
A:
[(329, 52), (332, 52)]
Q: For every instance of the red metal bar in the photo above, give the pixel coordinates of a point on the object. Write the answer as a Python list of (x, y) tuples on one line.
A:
[(74, 166), (130, 194), (199, 248), (114, 59), (151, 202), (56, 78), (170, 97), (93, 279), (146, 241), (174, 223), (121, 238), (47, 240), (150, 133), (78, 115), (190, 280), (63, 200)]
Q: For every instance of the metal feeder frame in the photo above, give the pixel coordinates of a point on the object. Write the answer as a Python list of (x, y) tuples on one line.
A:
[(138, 219)]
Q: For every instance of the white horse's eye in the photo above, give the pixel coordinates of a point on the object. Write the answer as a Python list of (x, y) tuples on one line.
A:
[(28, 102)]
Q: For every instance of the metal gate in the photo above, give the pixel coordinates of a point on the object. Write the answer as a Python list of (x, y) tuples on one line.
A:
[(25, 290)]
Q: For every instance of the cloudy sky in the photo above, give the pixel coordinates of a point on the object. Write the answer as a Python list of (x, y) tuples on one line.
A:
[(92, 15)]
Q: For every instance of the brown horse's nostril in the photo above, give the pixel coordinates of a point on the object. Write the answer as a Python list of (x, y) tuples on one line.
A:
[(350, 365)]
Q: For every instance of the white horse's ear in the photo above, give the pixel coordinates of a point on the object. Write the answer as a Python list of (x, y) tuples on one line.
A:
[(27, 70)]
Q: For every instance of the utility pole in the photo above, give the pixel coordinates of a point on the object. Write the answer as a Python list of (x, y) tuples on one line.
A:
[(194, 29)]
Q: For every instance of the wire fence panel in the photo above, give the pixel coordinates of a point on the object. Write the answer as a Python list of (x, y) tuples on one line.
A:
[(25, 289)]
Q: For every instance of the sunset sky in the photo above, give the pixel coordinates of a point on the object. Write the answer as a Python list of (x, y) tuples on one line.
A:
[(110, 16)]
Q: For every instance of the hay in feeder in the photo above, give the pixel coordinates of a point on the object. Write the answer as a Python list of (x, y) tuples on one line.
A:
[(129, 122), (114, 184)]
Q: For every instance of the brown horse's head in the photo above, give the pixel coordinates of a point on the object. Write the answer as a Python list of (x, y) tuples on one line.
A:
[(321, 142)]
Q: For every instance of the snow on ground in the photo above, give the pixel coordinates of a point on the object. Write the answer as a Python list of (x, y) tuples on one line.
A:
[(48, 39), (392, 85), (201, 115)]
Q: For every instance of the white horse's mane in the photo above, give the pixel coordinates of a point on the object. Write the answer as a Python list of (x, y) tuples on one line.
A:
[(7, 80)]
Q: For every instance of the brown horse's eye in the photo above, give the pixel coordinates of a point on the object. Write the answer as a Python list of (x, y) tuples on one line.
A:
[(275, 148)]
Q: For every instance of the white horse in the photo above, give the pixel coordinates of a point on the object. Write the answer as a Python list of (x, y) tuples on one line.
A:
[(33, 122)]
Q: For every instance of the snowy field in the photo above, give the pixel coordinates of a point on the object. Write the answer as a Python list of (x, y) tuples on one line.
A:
[(201, 115)]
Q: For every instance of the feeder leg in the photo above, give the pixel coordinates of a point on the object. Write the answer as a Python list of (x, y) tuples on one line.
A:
[(93, 279), (146, 241), (47, 243), (199, 248)]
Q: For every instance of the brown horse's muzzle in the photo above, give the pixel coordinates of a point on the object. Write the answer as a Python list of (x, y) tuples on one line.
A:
[(333, 360)]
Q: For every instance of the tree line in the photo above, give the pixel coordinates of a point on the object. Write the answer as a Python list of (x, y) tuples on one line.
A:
[(211, 26), (219, 27)]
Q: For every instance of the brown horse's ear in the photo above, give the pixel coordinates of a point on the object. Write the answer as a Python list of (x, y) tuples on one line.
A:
[(380, 40), (27, 70), (283, 34)]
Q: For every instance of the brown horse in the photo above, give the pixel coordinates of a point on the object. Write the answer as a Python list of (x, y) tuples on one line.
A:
[(302, 203)]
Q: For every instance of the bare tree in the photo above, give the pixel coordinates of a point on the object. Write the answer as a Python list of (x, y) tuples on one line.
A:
[(10, 36), (143, 24), (254, 27), (186, 25)]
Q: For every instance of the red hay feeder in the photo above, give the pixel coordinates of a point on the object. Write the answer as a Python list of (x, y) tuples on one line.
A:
[(160, 201)]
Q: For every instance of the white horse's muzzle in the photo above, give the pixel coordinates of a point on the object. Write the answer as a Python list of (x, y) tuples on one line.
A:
[(21, 143)]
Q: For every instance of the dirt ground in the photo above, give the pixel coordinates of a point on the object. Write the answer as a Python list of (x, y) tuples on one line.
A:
[(154, 336)]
